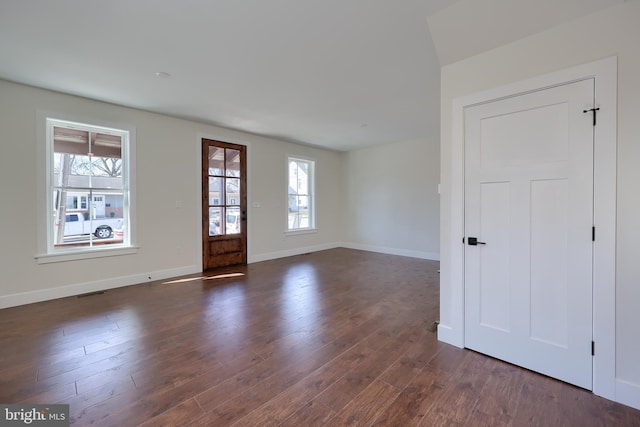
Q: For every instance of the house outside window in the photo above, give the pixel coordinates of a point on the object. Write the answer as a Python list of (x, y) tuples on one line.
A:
[(88, 194), (301, 202)]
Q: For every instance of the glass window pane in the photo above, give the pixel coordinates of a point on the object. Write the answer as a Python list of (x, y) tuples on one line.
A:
[(80, 169), (106, 146), (233, 163), (293, 177), (233, 221), (216, 196), (216, 161), (70, 141), (303, 202), (233, 191), (113, 205), (303, 217), (301, 210), (304, 167), (73, 229), (303, 179), (71, 170), (106, 172), (119, 232), (84, 228), (294, 220), (293, 203), (214, 221)]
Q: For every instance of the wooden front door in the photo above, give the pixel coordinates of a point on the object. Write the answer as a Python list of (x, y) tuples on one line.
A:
[(224, 204)]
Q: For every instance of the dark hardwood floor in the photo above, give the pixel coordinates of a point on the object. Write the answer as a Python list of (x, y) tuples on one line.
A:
[(338, 337)]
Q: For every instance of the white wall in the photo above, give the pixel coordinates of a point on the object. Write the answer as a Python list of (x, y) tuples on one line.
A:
[(393, 198), (167, 170), (267, 171), (614, 31)]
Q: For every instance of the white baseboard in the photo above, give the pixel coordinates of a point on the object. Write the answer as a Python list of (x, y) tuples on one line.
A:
[(628, 393), (370, 248), (99, 285), (291, 252), (447, 335), (393, 251), (117, 282)]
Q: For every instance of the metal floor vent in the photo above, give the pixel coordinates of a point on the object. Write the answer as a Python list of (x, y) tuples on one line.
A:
[(90, 294)]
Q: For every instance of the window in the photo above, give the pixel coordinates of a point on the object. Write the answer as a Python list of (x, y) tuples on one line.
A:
[(300, 194), (88, 195)]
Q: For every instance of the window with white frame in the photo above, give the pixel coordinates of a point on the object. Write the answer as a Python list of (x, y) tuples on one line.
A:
[(88, 194), (301, 203)]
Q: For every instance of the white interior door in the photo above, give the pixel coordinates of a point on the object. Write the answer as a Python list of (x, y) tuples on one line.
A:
[(529, 199)]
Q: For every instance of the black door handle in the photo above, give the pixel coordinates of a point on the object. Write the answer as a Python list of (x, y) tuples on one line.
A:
[(473, 241)]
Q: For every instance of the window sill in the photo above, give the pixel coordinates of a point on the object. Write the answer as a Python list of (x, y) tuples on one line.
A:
[(301, 231), (84, 254)]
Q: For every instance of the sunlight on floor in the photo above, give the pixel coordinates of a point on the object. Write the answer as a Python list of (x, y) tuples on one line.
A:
[(193, 279)]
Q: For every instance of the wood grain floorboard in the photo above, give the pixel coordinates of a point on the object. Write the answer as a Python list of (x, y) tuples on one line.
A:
[(335, 338), (366, 406)]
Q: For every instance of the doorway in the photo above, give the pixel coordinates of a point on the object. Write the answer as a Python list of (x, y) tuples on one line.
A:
[(528, 226), (452, 290), (224, 204)]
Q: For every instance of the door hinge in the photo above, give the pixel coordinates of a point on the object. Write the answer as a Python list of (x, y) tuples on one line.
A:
[(593, 348), (593, 110), (463, 240), (593, 234)]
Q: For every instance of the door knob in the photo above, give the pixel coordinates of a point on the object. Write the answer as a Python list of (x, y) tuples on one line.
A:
[(473, 241)]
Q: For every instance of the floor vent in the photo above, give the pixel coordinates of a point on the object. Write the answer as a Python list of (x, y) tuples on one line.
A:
[(90, 294)]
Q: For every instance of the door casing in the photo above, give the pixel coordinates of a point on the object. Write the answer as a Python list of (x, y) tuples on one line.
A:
[(451, 327)]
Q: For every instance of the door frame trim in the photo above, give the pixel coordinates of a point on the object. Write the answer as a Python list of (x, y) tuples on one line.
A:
[(244, 195), (452, 309)]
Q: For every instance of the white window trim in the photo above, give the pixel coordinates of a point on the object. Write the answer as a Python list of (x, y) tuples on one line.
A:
[(45, 253), (301, 231), (312, 198)]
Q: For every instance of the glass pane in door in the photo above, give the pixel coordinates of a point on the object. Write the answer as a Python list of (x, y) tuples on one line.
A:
[(232, 163), (216, 197), (214, 221), (233, 191), (233, 221), (216, 161)]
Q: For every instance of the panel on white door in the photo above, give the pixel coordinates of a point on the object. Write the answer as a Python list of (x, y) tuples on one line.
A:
[(494, 277), (549, 261), (529, 197), (504, 144)]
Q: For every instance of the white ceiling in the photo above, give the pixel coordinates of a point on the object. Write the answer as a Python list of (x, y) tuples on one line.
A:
[(341, 74)]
